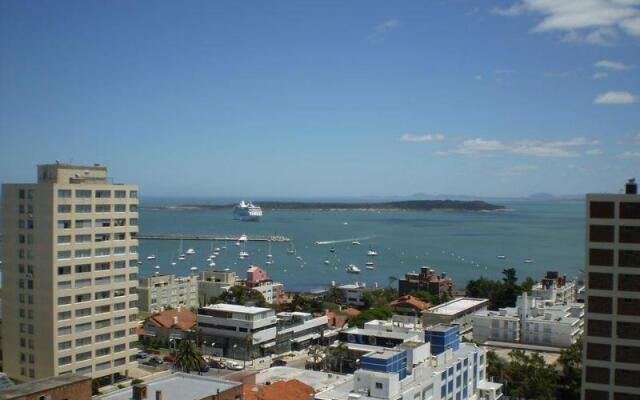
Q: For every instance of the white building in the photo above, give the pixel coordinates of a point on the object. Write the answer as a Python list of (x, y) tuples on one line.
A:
[(163, 291), (411, 371), (353, 293), (299, 329), (213, 283), (457, 311), (272, 292), (554, 290), (237, 331), (530, 322)]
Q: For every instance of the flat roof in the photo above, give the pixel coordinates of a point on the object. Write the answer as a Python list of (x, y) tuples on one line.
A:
[(456, 306), (383, 354), (237, 308), (177, 386), (40, 385), (380, 333), (316, 379), (442, 328)]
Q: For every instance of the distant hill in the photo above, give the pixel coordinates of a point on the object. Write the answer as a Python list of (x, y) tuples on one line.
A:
[(410, 205)]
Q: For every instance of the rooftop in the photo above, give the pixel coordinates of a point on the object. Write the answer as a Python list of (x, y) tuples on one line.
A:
[(316, 379), (442, 328), (237, 308), (40, 385), (456, 306), (410, 301), (382, 354), (281, 390), (178, 386), (380, 333), (185, 319)]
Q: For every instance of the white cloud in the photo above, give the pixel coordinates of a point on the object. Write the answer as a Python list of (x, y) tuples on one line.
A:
[(600, 75), (629, 154), (512, 11), (383, 28), (423, 138), (588, 21), (614, 97), (612, 65), (534, 148), (593, 152)]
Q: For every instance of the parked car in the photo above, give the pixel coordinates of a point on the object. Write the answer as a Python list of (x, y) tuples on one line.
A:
[(143, 354), (217, 364), (155, 361), (204, 367), (169, 358), (234, 365), (278, 363)]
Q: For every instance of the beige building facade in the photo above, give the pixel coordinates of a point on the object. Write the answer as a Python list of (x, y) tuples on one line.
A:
[(611, 364), (156, 293), (70, 273)]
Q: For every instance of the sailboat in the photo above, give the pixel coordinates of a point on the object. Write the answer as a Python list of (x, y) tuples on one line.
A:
[(528, 261), (243, 253), (372, 252), (269, 255), (292, 249), (501, 256)]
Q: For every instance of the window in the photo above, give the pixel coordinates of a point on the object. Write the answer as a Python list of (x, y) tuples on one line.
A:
[(103, 323), (102, 208), (133, 207), (103, 281), (83, 268), (103, 194), (629, 306), (64, 208), (379, 385), (83, 223), (64, 345), (601, 233), (118, 348), (64, 315), (628, 330), (64, 300), (83, 297), (64, 330), (103, 351), (83, 312), (64, 193), (629, 234), (601, 209), (64, 224), (119, 250), (64, 239), (66, 270), (120, 194), (83, 194), (64, 285), (601, 257), (624, 377), (598, 304), (119, 264), (119, 236), (63, 255), (83, 208), (64, 360), (83, 327), (103, 252), (80, 283), (133, 194), (133, 221), (599, 328), (102, 295), (629, 282), (628, 354), (103, 309), (83, 356), (105, 266), (629, 258), (83, 341), (83, 253), (630, 210), (597, 351), (600, 281), (103, 223), (103, 337), (120, 208)]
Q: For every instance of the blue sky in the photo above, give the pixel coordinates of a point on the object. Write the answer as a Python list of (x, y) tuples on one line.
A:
[(279, 98)]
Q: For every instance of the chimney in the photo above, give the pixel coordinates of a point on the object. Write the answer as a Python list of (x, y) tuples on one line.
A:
[(631, 187), (140, 391), (158, 394)]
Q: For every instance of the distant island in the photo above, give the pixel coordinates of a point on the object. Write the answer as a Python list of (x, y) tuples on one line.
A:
[(410, 205)]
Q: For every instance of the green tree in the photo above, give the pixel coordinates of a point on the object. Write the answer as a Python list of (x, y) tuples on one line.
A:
[(527, 284), (370, 314), (335, 295), (305, 303), (188, 357), (317, 355), (242, 295), (392, 280), (570, 362), (528, 376), (426, 296), (496, 366)]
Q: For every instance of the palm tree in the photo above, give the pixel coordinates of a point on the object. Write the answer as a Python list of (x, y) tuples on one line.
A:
[(316, 353), (340, 353), (188, 357)]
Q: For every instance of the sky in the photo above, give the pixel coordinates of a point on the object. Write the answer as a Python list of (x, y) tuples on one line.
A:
[(331, 98)]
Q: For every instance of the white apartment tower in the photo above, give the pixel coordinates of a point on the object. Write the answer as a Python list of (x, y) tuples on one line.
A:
[(70, 273), (611, 367)]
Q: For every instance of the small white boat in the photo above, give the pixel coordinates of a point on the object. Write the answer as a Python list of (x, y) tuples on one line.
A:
[(157, 267), (372, 252), (332, 250), (268, 262), (190, 252), (213, 257), (501, 257), (369, 263), (216, 250), (212, 264), (173, 263), (327, 262), (139, 262), (237, 243), (292, 249), (528, 261), (298, 258), (352, 269), (227, 269), (370, 267), (193, 268), (215, 253), (356, 243), (157, 272), (151, 257), (243, 238), (244, 254)]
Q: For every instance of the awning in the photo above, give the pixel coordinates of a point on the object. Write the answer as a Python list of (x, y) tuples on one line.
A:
[(306, 337)]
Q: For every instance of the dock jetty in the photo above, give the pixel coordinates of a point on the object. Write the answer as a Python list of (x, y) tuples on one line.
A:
[(210, 237)]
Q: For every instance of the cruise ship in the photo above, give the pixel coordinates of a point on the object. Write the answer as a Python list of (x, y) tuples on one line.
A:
[(247, 211)]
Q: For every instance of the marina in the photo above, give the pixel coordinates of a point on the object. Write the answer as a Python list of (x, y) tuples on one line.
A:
[(215, 237)]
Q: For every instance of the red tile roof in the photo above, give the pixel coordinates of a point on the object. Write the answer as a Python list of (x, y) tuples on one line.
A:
[(280, 390), (410, 301), (165, 319)]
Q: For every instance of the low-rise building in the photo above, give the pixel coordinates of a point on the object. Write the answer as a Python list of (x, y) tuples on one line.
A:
[(531, 323), (296, 330), (257, 279), (412, 371), (237, 331), (168, 325), (410, 305), (554, 290), (380, 334), (426, 280), (280, 390), (457, 311), (353, 293), (213, 283), (61, 387), (163, 291), (179, 386)]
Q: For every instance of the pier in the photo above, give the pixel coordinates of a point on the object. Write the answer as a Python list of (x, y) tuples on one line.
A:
[(214, 237)]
